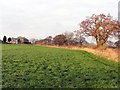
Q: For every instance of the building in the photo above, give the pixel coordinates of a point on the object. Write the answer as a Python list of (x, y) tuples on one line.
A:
[(19, 40), (23, 40), (46, 41), (14, 40)]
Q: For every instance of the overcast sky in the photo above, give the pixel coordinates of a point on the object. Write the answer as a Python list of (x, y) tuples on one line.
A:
[(41, 18)]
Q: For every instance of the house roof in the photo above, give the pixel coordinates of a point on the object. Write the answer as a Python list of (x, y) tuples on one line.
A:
[(14, 38)]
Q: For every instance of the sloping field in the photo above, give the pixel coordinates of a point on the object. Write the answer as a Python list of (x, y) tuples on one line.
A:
[(27, 66), (109, 53)]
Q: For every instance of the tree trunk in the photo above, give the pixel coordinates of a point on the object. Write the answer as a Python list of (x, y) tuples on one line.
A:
[(101, 44)]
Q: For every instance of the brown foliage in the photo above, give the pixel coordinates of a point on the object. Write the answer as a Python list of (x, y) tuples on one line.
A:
[(100, 26), (59, 39)]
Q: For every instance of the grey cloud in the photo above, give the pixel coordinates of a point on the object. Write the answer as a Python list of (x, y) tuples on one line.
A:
[(40, 18)]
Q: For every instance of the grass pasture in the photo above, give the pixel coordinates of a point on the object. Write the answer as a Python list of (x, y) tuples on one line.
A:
[(27, 66)]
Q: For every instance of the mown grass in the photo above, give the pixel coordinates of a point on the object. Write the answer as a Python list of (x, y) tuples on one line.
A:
[(27, 66)]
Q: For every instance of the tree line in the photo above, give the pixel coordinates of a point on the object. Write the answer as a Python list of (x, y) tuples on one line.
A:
[(67, 38), (101, 27)]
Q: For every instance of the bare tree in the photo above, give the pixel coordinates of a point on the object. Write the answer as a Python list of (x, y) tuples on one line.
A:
[(79, 37), (33, 40), (69, 37)]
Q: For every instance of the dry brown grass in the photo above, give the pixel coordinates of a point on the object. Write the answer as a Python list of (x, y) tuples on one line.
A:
[(109, 53)]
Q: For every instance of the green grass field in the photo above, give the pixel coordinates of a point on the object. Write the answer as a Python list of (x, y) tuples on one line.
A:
[(27, 66)]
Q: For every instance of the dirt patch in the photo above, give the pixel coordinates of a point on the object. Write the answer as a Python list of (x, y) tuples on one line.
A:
[(108, 53)]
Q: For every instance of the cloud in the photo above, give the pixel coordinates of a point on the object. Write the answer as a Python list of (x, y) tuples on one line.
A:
[(40, 18)]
